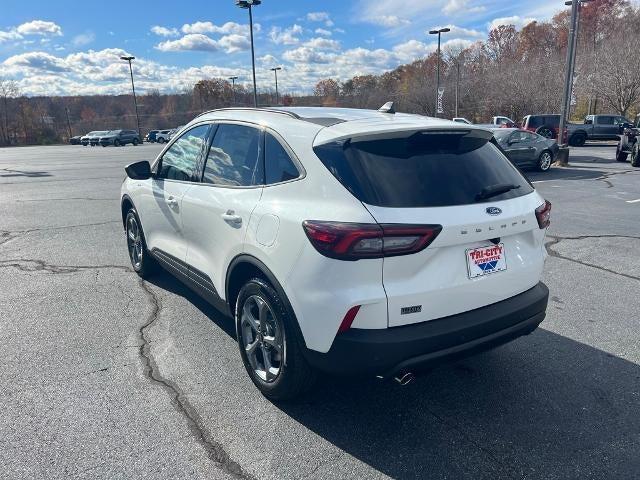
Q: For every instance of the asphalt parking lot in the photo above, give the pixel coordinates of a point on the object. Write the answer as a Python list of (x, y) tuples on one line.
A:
[(106, 376)]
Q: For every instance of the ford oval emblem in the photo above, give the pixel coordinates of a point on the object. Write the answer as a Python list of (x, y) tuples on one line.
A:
[(493, 211)]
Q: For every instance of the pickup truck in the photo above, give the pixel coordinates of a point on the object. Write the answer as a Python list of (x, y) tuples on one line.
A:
[(501, 122), (628, 143), (596, 127)]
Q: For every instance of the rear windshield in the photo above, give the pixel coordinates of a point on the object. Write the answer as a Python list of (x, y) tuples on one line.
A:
[(423, 170)]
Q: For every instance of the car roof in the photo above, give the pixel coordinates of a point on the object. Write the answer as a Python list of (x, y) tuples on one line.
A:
[(329, 124)]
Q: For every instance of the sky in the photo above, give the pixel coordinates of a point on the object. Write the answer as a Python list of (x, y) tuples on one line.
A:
[(66, 47)]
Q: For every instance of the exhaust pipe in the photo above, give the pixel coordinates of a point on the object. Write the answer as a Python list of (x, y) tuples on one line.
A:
[(404, 378)]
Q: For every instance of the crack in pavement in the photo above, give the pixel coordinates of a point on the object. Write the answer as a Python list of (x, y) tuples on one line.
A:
[(605, 177), (557, 239), (9, 235), (35, 265), (215, 451)]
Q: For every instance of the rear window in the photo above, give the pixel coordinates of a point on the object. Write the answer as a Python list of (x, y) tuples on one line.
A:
[(423, 170)]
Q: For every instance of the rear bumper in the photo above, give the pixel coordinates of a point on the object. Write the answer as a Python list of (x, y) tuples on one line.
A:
[(386, 352)]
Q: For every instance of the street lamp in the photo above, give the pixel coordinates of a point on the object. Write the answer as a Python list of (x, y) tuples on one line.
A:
[(438, 32), (133, 87), (275, 72), (233, 88), (248, 4), (570, 65)]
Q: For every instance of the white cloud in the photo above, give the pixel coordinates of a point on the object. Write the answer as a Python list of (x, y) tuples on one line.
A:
[(460, 7), (234, 43), (459, 31), (306, 55), (412, 50), (6, 36), (322, 44), (287, 36), (40, 61), (390, 21), (83, 39), (320, 17), (268, 60), (190, 42), (164, 31), (39, 27), (322, 31), (227, 28), (515, 20)]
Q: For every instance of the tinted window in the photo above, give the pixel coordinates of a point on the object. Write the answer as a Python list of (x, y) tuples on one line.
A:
[(529, 137), (278, 165), (552, 120), (606, 120), (534, 122), (423, 170), (233, 157), (180, 161)]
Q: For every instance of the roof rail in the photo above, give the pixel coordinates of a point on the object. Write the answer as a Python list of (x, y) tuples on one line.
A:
[(259, 109)]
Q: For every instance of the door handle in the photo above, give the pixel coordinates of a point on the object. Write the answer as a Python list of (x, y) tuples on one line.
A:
[(231, 217), (172, 202)]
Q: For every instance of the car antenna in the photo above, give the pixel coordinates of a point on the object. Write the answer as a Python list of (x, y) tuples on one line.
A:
[(387, 108)]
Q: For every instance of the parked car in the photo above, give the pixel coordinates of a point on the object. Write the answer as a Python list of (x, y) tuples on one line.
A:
[(303, 207), (75, 140), (596, 127), (151, 136), (173, 131), (88, 138), (162, 136), (461, 120), (546, 125), (526, 149), (628, 143), (501, 122), (119, 138)]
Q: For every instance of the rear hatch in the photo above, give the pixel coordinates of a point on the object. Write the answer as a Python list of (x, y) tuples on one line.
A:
[(490, 247)]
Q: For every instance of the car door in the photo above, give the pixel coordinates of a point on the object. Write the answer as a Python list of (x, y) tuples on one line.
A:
[(160, 203), (216, 211), (529, 144), (605, 126), (517, 148)]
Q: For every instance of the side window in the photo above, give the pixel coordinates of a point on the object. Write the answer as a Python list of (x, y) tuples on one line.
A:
[(606, 120), (535, 122), (278, 164), (621, 120), (233, 158), (180, 161), (529, 137)]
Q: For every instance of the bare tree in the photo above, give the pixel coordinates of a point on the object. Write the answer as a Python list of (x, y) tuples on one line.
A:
[(8, 89)]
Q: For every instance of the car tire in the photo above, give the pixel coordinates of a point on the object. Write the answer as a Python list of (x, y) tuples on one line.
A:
[(160, 140), (546, 132), (135, 142), (104, 145), (269, 346), (141, 260), (578, 140), (116, 143), (620, 155), (545, 160), (635, 156)]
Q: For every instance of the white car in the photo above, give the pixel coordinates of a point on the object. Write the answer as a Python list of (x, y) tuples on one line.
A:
[(461, 120), (343, 241), (163, 136)]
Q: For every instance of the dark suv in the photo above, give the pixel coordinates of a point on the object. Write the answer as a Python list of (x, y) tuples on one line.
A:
[(120, 137), (546, 125)]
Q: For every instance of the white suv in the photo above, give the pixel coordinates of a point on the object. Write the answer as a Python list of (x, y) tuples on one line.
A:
[(341, 240)]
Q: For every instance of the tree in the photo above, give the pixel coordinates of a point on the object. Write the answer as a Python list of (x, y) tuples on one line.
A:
[(8, 89)]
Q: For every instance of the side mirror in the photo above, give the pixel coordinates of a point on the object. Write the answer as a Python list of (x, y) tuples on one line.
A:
[(138, 170)]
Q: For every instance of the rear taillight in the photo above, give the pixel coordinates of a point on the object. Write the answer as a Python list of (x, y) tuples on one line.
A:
[(543, 214), (355, 241)]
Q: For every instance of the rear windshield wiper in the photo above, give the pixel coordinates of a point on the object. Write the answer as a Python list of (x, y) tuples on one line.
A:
[(495, 190)]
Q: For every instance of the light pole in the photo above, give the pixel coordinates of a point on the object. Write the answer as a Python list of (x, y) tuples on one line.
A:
[(248, 4), (457, 84), (275, 72), (438, 32), (133, 87), (233, 89), (568, 74)]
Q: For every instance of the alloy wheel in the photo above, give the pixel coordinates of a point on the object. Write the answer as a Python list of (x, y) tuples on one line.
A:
[(134, 241), (262, 338), (545, 161)]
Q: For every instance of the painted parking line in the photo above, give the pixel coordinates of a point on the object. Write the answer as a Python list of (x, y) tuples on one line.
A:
[(634, 201)]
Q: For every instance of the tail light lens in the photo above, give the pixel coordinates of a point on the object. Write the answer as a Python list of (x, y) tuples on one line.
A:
[(543, 214), (355, 241)]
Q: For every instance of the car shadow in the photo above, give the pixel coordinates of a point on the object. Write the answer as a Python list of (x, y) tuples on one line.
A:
[(565, 173), (169, 283), (543, 407)]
